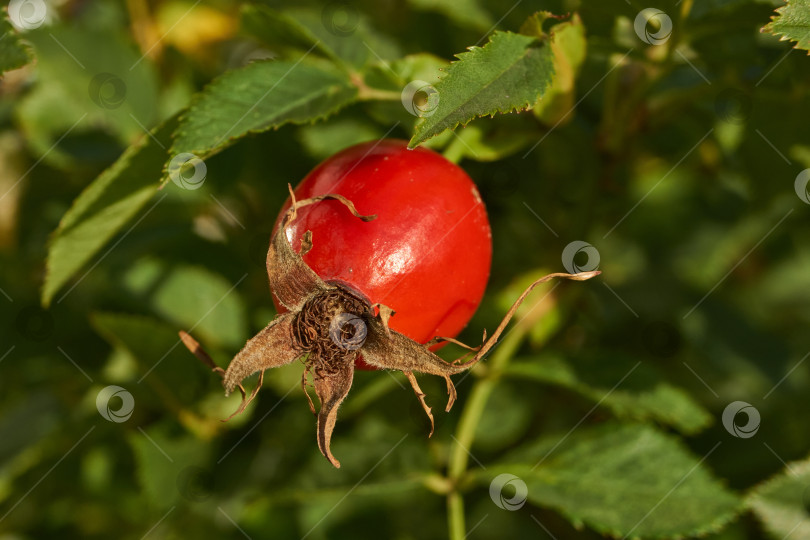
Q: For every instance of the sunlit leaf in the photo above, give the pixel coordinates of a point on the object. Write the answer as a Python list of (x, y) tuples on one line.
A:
[(625, 480), (792, 23), (258, 97), (511, 72), (782, 503)]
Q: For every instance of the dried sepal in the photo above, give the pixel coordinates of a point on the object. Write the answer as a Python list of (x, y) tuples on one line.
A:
[(421, 396), (291, 280), (304, 388), (272, 347), (489, 343), (194, 346), (331, 388), (388, 349), (306, 243), (384, 314)]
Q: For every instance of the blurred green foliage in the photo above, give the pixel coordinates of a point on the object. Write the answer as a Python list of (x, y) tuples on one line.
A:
[(672, 139)]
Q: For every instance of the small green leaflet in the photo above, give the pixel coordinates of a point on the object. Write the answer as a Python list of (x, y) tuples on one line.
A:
[(792, 23), (258, 97), (782, 503), (509, 73)]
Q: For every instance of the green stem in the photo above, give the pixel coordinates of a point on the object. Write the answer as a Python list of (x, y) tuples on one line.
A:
[(455, 516), (471, 416), (369, 94), (465, 433)]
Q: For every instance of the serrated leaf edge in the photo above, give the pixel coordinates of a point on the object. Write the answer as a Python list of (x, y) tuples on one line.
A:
[(769, 29)]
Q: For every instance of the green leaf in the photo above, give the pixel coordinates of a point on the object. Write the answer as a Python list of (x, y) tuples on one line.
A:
[(258, 97), (792, 23), (509, 73), (13, 54), (105, 207), (643, 395), (191, 297), (783, 502), (624, 480)]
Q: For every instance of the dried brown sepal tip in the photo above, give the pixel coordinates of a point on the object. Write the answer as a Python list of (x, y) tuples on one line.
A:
[(330, 326)]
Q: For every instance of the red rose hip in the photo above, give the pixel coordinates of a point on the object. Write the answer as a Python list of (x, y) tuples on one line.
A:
[(427, 254)]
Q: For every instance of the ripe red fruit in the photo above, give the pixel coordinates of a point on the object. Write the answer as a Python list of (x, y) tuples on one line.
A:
[(426, 256)]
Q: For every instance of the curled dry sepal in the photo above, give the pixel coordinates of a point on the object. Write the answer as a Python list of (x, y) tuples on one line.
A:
[(330, 325)]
